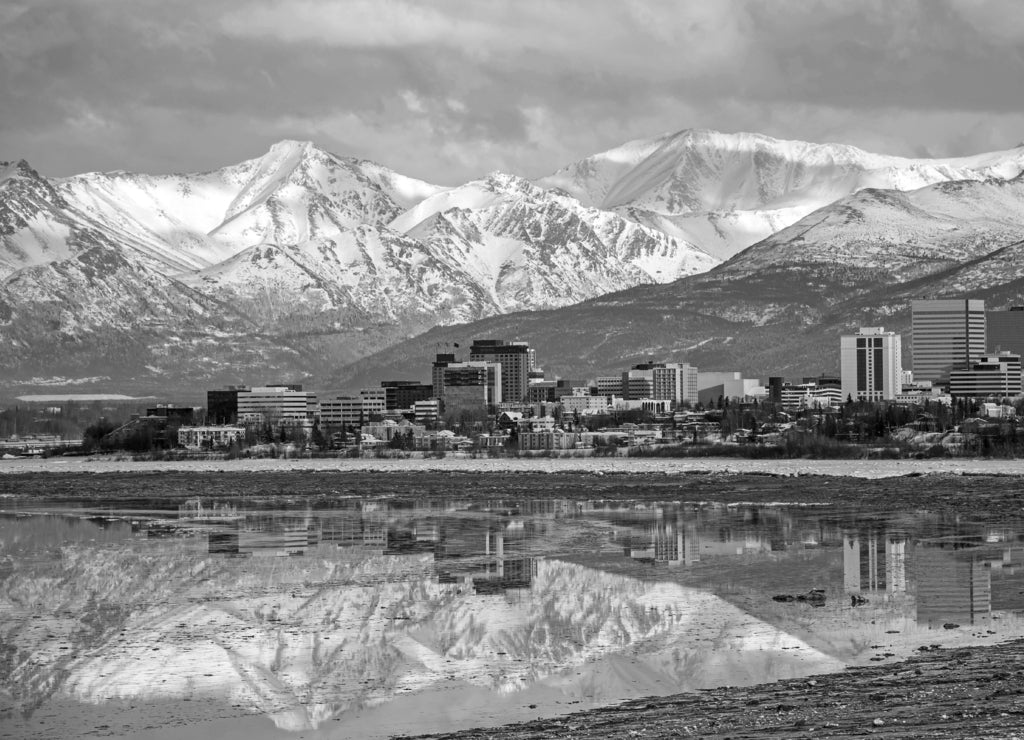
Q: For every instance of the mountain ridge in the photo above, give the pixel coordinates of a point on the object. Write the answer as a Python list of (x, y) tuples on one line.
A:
[(300, 261)]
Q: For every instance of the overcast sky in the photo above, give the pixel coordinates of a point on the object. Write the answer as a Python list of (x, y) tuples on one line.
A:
[(449, 91)]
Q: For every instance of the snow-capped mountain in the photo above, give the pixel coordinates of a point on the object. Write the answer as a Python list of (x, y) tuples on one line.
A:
[(299, 248), (725, 192), (780, 306), (300, 261)]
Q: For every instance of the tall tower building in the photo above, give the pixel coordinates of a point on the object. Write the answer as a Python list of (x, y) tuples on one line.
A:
[(517, 359), (946, 334), (871, 365)]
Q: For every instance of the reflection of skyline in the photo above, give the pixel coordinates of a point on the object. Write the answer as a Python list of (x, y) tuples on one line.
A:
[(370, 599), (492, 548), (875, 563)]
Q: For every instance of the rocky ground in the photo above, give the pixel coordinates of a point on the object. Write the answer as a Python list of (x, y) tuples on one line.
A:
[(463, 464), (939, 693)]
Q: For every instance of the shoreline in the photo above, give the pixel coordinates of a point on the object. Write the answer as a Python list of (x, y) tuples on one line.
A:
[(939, 693), (865, 469)]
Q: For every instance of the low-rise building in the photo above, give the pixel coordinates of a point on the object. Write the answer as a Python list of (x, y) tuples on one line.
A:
[(811, 395), (427, 411), (348, 411), (995, 375), (556, 439), (584, 405), (388, 430), (270, 403), (712, 386), (209, 437)]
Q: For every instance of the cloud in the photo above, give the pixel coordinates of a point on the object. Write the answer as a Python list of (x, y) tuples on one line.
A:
[(453, 89)]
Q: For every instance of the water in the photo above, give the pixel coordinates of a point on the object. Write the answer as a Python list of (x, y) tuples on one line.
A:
[(348, 615)]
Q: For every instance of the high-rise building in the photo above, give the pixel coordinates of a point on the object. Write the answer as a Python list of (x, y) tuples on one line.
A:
[(946, 334), (441, 361), (871, 365), (517, 359), (1005, 330)]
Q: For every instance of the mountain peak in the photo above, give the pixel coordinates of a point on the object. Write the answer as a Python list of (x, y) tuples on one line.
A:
[(21, 168), (290, 147)]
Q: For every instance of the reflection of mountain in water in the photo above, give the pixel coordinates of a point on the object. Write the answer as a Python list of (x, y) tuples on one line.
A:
[(370, 603), (306, 639)]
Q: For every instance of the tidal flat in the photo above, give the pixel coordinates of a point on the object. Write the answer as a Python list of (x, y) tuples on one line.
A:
[(533, 602)]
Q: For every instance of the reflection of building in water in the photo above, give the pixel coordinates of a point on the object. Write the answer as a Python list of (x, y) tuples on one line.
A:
[(665, 540), (354, 528), (196, 510), (896, 563), (263, 534), (489, 554), (953, 585), (1007, 576), (874, 562)]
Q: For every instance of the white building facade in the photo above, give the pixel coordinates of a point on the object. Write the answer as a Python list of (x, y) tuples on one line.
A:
[(871, 365)]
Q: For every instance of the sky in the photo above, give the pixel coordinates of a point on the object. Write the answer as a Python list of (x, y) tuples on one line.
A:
[(450, 90)]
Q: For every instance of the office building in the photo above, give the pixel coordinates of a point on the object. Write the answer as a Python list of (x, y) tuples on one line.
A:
[(403, 394), (222, 404), (346, 411), (661, 381), (180, 414), (471, 386), (609, 385), (992, 375), (732, 385), (871, 366), (441, 361), (272, 403), (946, 334), (517, 360)]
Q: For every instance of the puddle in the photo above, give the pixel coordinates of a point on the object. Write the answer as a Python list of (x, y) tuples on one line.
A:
[(380, 616)]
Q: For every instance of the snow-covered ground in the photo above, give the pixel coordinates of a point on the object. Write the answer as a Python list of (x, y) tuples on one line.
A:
[(597, 466)]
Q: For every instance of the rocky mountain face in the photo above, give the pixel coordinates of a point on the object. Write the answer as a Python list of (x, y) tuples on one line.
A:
[(300, 263), (292, 263), (780, 306)]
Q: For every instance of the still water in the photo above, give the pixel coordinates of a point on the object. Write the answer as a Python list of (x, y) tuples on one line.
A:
[(370, 617)]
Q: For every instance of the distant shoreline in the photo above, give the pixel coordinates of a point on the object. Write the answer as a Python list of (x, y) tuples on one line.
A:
[(597, 466)]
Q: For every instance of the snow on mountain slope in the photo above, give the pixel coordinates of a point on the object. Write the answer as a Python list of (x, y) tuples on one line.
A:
[(33, 228), (297, 192), (711, 177), (902, 233), (327, 259), (356, 277), (590, 179), (527, 246)]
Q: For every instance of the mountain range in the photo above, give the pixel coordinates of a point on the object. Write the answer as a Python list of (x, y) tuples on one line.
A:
[(303, 263)]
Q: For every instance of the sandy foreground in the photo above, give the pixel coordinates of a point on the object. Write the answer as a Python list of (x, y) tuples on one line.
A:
[(639, 466)]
